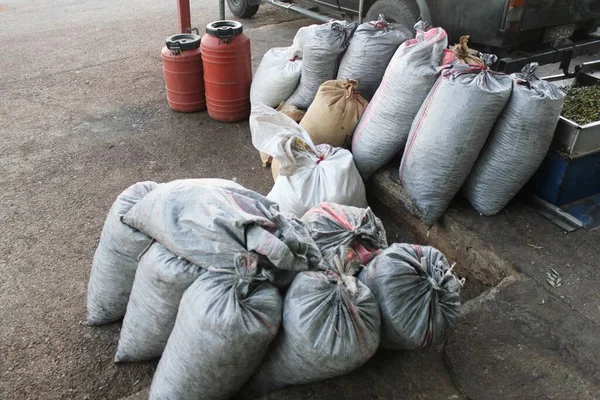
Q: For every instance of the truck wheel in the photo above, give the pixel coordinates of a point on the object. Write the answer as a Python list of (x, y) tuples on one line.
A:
[(403, 12), (242, 8)]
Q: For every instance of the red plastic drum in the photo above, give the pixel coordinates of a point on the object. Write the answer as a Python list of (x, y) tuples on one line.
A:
[(227, 61), (182, 67)]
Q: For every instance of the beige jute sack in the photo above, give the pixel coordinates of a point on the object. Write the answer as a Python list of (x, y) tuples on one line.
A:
[(334, 113), (464, 54)]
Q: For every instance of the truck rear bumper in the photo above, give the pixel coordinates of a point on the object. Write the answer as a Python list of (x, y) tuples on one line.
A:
[(562, 53)]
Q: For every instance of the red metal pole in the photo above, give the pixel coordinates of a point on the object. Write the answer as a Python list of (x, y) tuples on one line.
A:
[(183, 13)]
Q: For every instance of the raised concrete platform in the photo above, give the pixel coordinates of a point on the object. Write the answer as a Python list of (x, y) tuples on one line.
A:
[(518, 337)]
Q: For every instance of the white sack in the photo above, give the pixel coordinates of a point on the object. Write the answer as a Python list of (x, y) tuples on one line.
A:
[(276, 77), (308, 174)]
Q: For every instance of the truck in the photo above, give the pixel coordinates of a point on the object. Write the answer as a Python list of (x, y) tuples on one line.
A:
[(517, 31)]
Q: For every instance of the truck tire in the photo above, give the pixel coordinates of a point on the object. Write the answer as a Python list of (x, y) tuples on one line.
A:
[(403, 12), (242, 8)]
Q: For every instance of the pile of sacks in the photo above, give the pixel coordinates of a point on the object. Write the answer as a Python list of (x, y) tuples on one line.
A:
[(454, 122), (318, 107), (235, 296)]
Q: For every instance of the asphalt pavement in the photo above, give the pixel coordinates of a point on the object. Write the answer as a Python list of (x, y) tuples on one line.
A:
[(83, 115)]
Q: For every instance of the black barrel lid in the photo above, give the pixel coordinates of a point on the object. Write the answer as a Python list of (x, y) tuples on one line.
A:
[(183, 41), (224, 29)]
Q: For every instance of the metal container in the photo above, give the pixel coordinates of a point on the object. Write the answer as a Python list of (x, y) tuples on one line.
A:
[(570, 138), (569, 176), (182, 67), (227, 61)]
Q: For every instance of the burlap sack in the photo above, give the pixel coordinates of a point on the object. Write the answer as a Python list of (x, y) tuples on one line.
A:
[(291, 111), (335, 112), (464, 54)]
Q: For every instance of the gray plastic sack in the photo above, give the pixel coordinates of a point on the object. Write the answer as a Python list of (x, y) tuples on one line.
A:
[(330, 327), (333, 226), (160, 281), (385, 124), (418, 295), (448, 134), (323, 46), (208, 224), (297, 47), (369, 53), (276, 77), (225, 323), (518, 144), (115, 260)]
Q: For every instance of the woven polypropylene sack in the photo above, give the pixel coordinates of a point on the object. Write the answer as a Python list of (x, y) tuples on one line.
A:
[(448, 134), (330, 327), (276, 77), (327, 174), (160, 280), (385, 124), (223, 329), (322, 49), (369, 53), (517, 145), (308, 174), (333, 115), (418, 295), (333, 226), (297, 47), (115, 260), (208, 221)]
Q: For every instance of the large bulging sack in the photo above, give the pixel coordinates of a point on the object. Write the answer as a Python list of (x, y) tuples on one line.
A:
[(300, 38), (208, 221), (384, 127), (225, 323), (333, 226), (115, 260), (330, 327), (370, 50), (308, 174), (518, 144), (418, 295), (276, 77), (448, 134), (160, 281), (333, 115), (321, 49)]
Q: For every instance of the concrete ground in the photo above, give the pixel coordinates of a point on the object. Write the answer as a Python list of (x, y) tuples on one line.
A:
[(82, 116), (518, 337)]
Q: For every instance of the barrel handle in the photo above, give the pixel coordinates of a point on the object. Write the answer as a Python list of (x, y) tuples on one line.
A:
[(225, 32)]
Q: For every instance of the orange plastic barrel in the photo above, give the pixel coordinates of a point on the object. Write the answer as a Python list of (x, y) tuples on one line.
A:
[(227, 62), (182, 67)]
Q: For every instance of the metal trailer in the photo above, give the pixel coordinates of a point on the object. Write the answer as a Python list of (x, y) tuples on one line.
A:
[(451, 15)]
